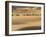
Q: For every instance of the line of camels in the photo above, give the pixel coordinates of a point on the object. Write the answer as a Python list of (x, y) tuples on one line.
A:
[(26, 19)]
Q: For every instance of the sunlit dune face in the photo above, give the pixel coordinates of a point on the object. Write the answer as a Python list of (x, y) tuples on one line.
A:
[(26, 18)]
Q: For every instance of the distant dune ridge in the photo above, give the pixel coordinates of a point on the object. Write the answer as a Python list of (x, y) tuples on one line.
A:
[(21, 20), (27, 11)]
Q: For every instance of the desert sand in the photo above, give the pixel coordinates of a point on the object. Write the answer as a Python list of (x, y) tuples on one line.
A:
[(26, 22)]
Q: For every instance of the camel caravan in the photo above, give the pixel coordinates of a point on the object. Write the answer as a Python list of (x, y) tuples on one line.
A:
[(26, 18)]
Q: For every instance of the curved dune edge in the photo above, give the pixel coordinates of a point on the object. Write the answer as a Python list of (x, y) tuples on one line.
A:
[(17, 27), (27, 22), (31, 28)]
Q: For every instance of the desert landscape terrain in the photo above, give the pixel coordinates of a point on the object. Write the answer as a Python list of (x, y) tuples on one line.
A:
[(26, 18)]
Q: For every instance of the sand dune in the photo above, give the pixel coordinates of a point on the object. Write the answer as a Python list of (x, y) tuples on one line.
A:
[(25, 21)]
